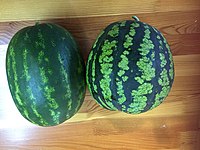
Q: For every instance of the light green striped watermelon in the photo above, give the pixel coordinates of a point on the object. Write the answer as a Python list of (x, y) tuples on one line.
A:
[(45, 73), (130, 67)]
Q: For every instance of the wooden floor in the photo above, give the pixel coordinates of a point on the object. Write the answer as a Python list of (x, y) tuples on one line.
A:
[(175, 124)]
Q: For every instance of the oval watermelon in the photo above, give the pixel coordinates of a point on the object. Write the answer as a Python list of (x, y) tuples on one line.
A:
[(45, 73), (130, 67)]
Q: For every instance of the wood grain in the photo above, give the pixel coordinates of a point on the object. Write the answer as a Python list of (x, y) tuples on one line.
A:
[(37, 9), (174, 125), (182, 30)]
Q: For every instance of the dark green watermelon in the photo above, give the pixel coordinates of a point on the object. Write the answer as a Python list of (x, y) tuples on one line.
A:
[(46, 74), (130, 67)]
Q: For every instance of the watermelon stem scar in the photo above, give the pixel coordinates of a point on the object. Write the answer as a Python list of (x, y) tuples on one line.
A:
[(136, 18)]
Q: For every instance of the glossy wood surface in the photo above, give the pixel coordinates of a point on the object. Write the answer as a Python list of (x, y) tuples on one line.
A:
[(174, 125)]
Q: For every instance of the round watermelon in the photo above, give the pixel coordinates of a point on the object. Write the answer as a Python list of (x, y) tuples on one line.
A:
[(130, 67), (45, 73)]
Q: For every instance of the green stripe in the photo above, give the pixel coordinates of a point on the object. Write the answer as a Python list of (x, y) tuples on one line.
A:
[(139, 97), (100, 101), (40, 57), (95, 43), (55, 116), (153, 56), (171, 70), (49, 25), (147, 44), (8, 69), (41, 120), (128, 42), (135, 24), (163, 80), (93, 73), (34, 108), (123, 63), (68, 93), (44, 78), (155, 30), (19, 103), (14, 69), (80, 98), (87, 71), (123, 66), (124, 108), (123, 23), (120, 92), (163, 60), (48, 90), (17, 88), (114, 32), (40, 42), (145, 66), (105, 60), (25, 65), (8, 65), (132, 32), (26, 37), (29, 91), (138, 105)]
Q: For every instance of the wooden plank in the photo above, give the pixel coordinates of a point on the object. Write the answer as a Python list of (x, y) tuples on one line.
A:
[(174, 125), (182, 30), (158, 133), (183, 66), (37, 10)]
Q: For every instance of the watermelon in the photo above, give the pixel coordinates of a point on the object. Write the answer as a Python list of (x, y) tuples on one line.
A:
[(130, 67), (45, 73)]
